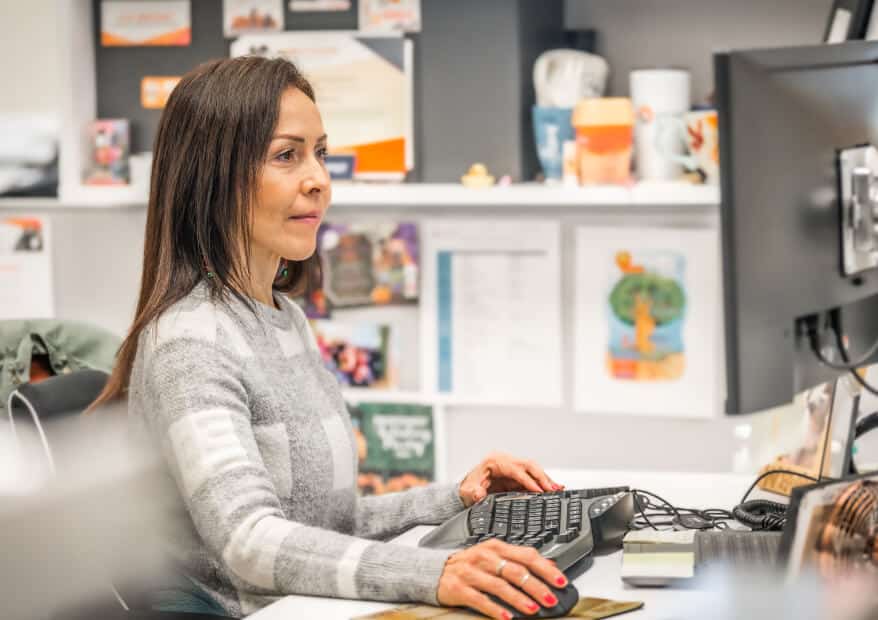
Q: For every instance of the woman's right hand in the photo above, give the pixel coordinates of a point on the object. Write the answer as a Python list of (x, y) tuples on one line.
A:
[(517, 575)]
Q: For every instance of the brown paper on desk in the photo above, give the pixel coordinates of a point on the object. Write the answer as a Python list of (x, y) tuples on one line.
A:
[(420, 612), (599, 608), (586, 608)]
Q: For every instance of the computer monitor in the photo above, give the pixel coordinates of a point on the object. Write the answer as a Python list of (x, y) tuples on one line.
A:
[(788, 118)]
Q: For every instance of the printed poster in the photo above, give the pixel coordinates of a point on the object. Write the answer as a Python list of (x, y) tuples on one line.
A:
[(357, 354), (146, 23), (648, 337), (365, 264), (376, 125), (25, 269), (396, 446), (491, 311), (241, 16), (390, 15)]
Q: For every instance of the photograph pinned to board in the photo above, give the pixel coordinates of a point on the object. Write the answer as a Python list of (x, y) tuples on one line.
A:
[(365, 264), (243, 16), (396, 446), (491, 311), (357, 354), (314, 6), (647, 338), (135, 23), (376, 126), (26, 268), (109, 162), (390, 15)]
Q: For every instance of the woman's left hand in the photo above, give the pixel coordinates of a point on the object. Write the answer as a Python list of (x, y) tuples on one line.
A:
[(501, 472)]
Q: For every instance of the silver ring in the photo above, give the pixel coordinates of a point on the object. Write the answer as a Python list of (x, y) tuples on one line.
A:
[(523, 580), (500, 566)]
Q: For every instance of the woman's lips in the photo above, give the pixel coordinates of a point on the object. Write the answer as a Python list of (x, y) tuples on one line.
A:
[(308, 218)]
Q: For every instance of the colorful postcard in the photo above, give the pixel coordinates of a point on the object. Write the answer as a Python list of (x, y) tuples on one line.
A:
[(155, 91), (109, 140), (240, 16), (357, 354), (648, 337), (396, 446), (366, 264), (646, 315), (145, 23), (305, 6), (390, 15)]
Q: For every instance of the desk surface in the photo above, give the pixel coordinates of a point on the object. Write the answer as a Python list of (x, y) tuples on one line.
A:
[(602, 579)]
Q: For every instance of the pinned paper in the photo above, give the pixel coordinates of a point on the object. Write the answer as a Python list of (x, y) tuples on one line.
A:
[(166, 22), (155, 91)]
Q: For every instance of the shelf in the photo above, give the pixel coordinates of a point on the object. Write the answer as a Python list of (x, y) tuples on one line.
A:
[(426, 195), (523, 195), (367, 395)]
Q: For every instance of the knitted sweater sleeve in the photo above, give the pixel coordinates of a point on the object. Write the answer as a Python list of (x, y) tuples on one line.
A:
[(196, 408)]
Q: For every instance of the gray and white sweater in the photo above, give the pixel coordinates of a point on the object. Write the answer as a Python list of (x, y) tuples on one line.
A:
[(255, 434)]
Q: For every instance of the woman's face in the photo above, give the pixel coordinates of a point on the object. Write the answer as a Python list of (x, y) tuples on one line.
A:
[(293, 191)]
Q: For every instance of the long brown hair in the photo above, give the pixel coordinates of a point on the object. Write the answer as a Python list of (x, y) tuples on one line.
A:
[(210, 147)]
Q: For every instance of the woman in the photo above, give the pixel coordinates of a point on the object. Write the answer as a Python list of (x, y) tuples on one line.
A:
[(223, 376)]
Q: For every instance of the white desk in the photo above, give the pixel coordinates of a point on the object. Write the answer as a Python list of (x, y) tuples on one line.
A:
[(601, 580)]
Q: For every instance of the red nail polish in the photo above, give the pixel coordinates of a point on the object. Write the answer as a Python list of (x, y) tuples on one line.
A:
[(550, 600), (561, 581), (506, 615), (533, 607), (555, 487)]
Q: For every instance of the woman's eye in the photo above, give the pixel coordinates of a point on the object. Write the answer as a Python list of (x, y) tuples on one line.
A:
[(322, 153), (286, 156)]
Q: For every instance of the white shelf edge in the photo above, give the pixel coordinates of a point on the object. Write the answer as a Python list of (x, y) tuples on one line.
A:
[(526, 195), (427, 195), (372, 395), (378, 395)]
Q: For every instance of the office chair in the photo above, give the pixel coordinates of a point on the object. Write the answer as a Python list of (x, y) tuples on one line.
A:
[(65, 396)]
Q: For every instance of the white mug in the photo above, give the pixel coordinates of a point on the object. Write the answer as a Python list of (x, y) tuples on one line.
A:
[(656, 93)]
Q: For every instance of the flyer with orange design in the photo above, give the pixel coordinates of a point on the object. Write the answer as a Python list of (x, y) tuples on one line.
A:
[(138, 23), (155, 90), (377, 124)]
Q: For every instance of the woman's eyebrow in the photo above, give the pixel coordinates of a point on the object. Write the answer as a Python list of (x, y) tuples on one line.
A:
[(289, 136)]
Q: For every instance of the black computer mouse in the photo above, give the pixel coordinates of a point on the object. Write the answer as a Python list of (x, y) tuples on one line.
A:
[(567, 597)]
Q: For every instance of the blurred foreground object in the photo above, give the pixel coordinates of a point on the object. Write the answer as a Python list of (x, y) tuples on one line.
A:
[(80, 538)]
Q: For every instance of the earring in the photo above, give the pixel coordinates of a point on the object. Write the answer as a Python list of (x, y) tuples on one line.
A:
[(283, 271), (204, 266)]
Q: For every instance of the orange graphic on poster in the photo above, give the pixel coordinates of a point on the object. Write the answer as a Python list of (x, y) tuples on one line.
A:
[(155, 91), (646, 315)]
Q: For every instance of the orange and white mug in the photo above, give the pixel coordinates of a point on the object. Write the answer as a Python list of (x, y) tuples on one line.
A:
[(604, 139)]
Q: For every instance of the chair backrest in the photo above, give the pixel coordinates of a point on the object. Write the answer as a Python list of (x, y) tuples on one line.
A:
[(35, 404)]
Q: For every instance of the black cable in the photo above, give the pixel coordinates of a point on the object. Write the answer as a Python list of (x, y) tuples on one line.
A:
[(650, 512), (812, 330), (772, 473), (761, 514), (835, 323)]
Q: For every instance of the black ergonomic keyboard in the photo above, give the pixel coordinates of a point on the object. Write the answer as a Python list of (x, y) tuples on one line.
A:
[(564, 526)]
